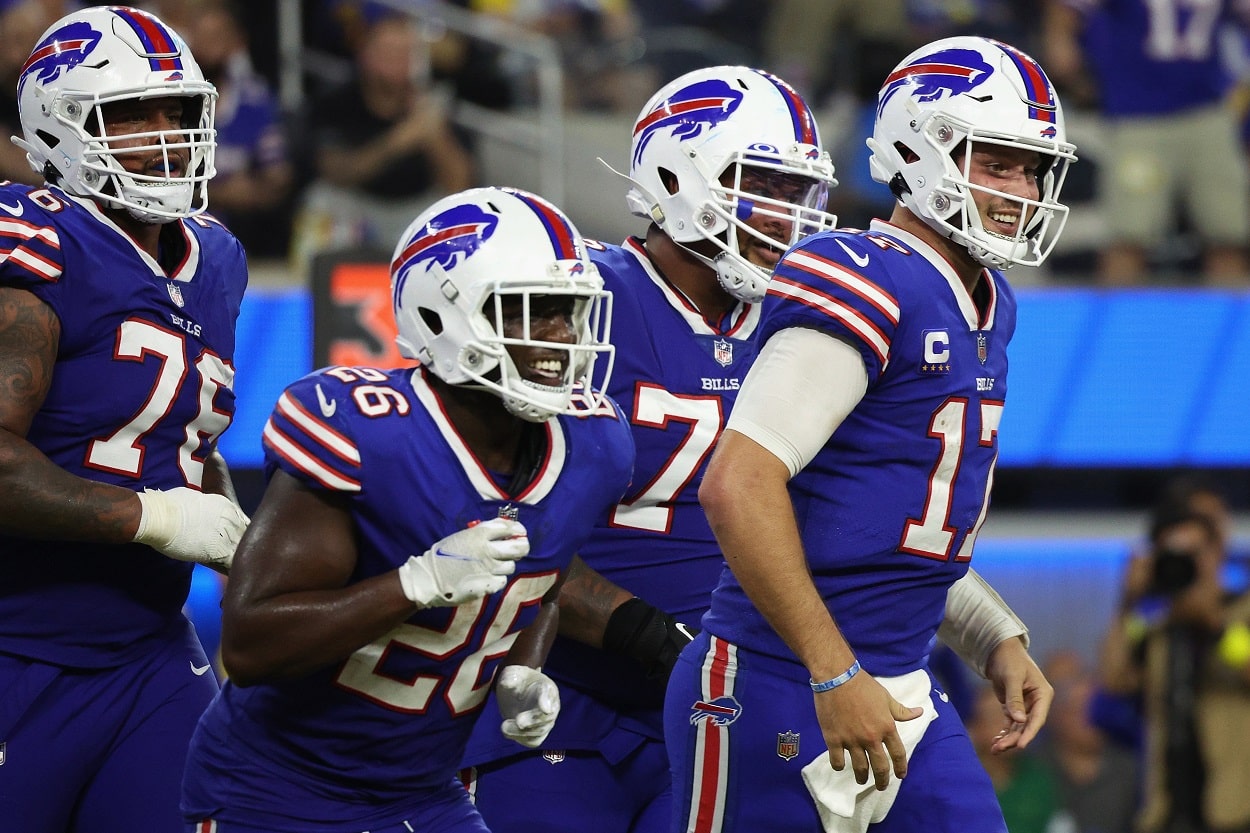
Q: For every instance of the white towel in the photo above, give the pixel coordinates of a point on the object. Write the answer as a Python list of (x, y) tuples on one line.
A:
[(849, 807)]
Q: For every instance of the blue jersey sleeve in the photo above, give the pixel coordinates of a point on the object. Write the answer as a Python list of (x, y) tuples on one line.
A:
[(836, 282), (30, 248), (310, 437)]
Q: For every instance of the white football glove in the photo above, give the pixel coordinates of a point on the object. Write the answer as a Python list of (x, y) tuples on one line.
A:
[(465, 565), (191, 526), (529, 702)]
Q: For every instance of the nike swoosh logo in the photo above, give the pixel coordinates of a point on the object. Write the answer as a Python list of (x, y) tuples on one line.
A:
[(199, 672), (328, 406), (860, 260), (15, 210), (441, 553), (684, 631)]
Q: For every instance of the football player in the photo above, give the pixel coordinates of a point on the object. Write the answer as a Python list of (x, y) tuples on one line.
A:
[(407, 552), (851, 481), (118, 303), (727, 165)]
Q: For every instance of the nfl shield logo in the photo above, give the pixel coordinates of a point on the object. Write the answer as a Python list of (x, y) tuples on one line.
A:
[(510, 512), (554, 756), (723, 352), (788, 745), (175, 294), (983, 347)]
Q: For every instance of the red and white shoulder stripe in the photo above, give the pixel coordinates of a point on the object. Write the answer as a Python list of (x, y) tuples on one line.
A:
[(312, 446), (848, 299), (19, 241)]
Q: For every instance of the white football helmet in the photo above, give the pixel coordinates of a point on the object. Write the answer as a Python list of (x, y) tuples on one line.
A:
[(703, 124), (98, 56), (971, 90), (461, 260)]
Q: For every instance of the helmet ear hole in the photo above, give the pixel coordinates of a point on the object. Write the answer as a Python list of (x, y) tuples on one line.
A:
[(431, 319), (906, 154), (48, 139), (669, 180)]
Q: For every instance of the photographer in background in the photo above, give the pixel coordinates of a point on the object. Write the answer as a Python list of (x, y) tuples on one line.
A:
[(1180, 648)]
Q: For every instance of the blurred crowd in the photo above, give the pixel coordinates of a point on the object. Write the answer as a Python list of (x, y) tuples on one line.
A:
[(1156, 97)]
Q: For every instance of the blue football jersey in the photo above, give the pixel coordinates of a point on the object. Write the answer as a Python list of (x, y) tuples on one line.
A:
[(394, 717), (890, 507), (142, 389), (1152, 58), (676, 377)]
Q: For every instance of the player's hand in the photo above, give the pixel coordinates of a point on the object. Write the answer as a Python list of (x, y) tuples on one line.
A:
[(465, 565), (857, 719), (529, 702), (1023, 690), (191, 526)]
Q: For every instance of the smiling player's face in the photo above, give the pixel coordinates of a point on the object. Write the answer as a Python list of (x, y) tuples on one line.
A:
[(550, 319)]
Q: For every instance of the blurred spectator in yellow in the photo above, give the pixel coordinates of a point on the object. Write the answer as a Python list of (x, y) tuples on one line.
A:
[(381, 146), (1025, 786), (1181, 646), (251, 192), (1156, 74)]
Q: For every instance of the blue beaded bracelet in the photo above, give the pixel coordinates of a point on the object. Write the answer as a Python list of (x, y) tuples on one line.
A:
[(841, 679)]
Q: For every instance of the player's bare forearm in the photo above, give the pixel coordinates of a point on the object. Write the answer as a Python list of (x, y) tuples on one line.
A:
[(534, 642), (289, 608), (587, 601), (748, 506), (45, 502), (42, 500)]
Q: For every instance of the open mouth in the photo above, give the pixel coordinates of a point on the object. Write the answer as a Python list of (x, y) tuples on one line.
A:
[(547, 372), (1004, 224)]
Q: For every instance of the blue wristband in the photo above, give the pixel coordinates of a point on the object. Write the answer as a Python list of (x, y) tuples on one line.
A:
[(841, 679)]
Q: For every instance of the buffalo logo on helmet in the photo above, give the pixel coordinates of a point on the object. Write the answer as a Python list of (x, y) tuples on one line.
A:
[(446, 240), (59, 52), (688, 112), (946, 73)]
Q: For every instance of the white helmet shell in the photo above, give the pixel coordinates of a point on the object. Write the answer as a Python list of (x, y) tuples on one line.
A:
[(949, 96), (98, 56), (461, 259), (696, 128)]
